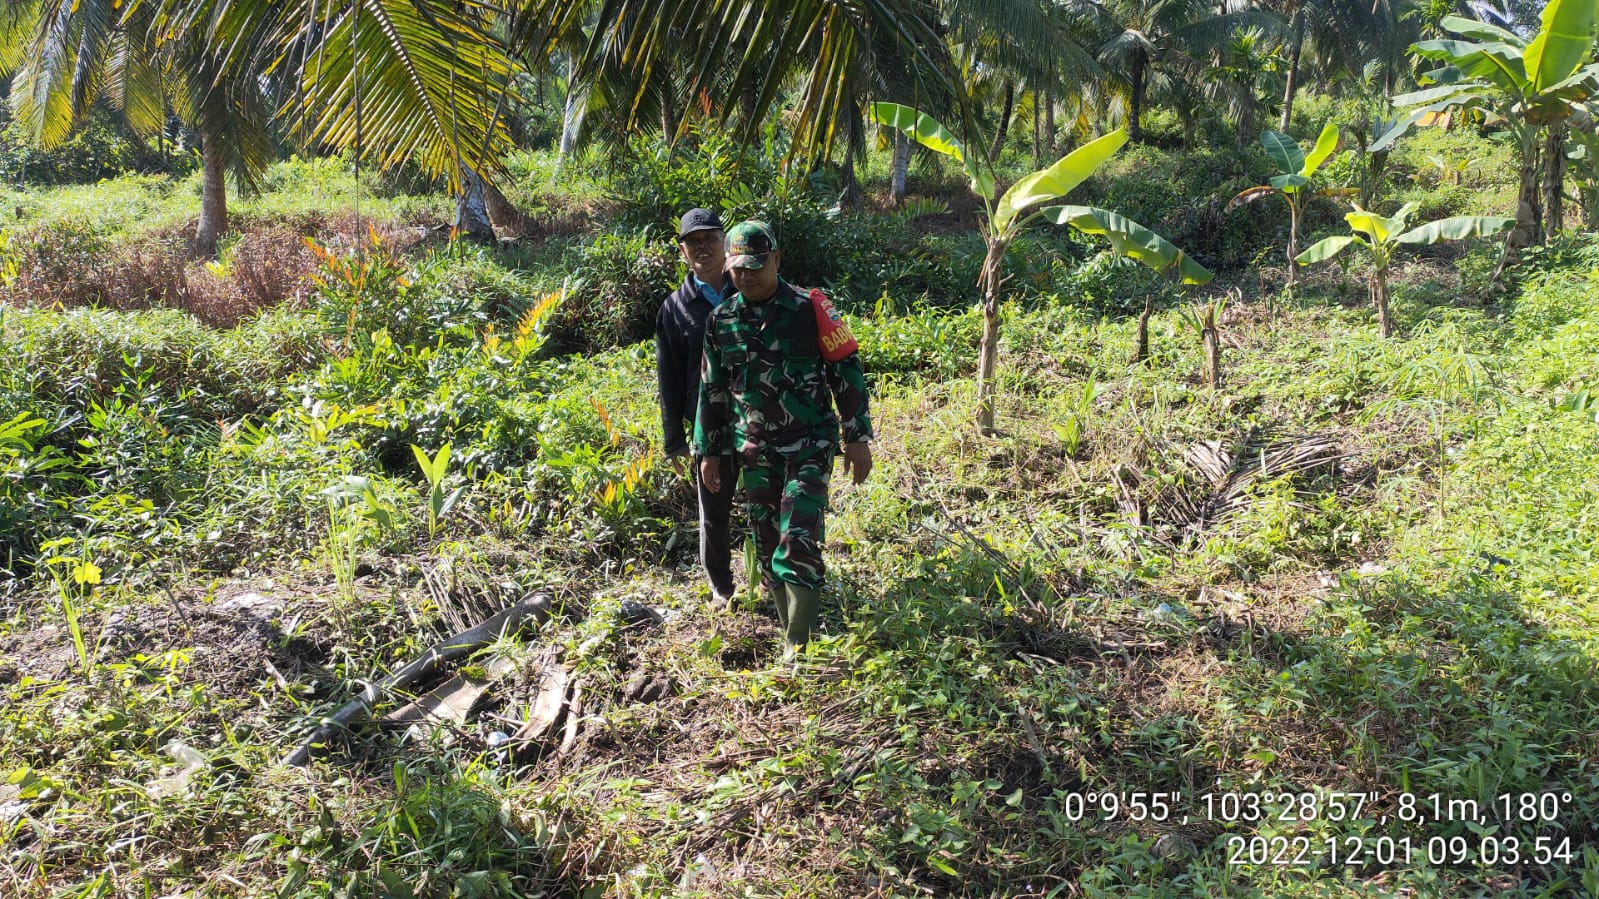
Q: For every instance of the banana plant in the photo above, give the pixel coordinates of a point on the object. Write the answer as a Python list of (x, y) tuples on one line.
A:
[(1295, 168), (1380, 236), (1019, 207), (1528, 83)]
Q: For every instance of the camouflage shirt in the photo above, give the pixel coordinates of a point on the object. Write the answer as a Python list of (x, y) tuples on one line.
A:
[(765, 389)]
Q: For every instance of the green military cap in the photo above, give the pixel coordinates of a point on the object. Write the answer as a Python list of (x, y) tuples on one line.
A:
[(748, 243)]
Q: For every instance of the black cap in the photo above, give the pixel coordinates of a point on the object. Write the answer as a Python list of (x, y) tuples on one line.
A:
[(698, 220)]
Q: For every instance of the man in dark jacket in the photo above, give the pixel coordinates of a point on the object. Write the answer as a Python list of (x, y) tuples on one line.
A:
[(679, 345)]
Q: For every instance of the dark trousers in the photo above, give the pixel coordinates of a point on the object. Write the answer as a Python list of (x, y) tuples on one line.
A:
[(716, 526)]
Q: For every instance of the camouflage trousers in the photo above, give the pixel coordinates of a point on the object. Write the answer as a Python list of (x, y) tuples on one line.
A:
[(787, 502)]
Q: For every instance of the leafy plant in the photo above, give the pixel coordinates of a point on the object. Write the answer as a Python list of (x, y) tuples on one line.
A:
[(372, 288), (353, 509), (1019, 207), (1450, 171), (1582, 162), (1295, 169), (1074, 427), (75, 578), (1527, 85), (1202, 318), (434, 469), (1380, 236)]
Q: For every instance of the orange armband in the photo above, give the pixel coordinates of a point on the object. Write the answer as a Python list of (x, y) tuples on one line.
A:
[(832, 335)]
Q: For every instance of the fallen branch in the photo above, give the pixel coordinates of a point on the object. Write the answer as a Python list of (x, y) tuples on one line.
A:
[(507, 621)]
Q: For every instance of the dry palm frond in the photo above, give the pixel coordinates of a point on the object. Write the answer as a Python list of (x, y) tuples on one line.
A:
[(1183, 491)]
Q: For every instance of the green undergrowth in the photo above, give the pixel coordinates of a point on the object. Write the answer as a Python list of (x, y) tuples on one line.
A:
[(1014, 624), (213, 537)]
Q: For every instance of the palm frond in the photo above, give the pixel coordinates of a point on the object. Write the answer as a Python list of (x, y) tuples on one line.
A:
[(403, 80), (16, 34)]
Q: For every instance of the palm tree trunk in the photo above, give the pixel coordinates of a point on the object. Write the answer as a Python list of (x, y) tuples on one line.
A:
[(1004, 120), (213, 197), (1038, 127), (1135, 128), (1554, 179), (503, 214), (988, 350), (471, 210), (902, 165), (851, 198), (1050, 144), (1296, 43)]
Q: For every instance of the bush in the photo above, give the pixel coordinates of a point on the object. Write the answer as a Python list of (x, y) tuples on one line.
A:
[(100, 148), (616, 288), (70, 264), (658, 182), (1183, 196), (58, 264)]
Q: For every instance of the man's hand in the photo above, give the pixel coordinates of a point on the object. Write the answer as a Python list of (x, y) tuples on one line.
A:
[(711, 473), (680, 464), (858, 461)]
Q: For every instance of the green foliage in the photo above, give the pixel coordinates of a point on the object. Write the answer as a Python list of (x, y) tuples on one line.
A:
[(1187, 205), (616, 286), (1130, 239), (434, 470), (441, 832), (36, 483), (928, 343), (373, 288), (102, 148), (1382, 234)]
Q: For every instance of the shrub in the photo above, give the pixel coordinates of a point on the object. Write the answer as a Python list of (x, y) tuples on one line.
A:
[(70, 264), (271, 266), (101, 148), (659, 182), (372, 288), (617, 285), (55, 265)]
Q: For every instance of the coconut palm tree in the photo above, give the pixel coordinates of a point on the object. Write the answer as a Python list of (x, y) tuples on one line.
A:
[(68, 56), (1343, 33), (736, 57), (393, 79), (1244, 76), (1141, 40)]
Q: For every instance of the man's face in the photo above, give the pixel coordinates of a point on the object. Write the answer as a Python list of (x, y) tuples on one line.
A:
[(758, 284), (706, 254)]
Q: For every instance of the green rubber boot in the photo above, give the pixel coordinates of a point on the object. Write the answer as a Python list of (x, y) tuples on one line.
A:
[(780, 597), (804, 603)]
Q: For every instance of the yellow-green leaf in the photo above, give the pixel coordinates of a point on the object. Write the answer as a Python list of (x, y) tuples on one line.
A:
[(1130, 239), (1562, 44), (1057, 180), (1326, 143)]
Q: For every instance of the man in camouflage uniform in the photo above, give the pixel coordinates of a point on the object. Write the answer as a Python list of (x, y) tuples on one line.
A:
[(767, 396)]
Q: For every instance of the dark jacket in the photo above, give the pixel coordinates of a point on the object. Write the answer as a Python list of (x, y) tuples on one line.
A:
[(679, 344)]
